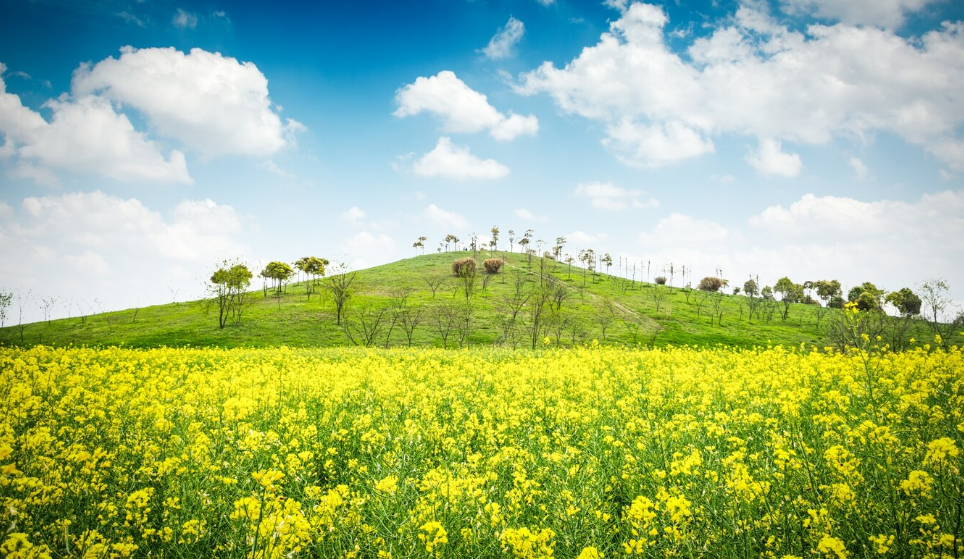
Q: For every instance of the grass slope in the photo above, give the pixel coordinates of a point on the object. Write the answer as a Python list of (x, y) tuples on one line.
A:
[(295, 320)]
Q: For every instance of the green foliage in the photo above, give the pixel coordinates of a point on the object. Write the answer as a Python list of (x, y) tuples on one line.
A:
[(279, 273), (905, 301), (866, 295), (666, 316), (228, 288)]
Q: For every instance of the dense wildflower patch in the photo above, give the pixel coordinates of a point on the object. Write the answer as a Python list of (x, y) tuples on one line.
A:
[(589, 452)]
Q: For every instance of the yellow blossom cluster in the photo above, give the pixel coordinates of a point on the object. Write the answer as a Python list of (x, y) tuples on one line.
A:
[(586, 452)]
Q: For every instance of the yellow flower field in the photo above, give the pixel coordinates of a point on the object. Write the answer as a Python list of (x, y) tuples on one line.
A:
[(591, 452)]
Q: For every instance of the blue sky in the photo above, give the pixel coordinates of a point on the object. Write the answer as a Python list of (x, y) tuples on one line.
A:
[(142, 142)]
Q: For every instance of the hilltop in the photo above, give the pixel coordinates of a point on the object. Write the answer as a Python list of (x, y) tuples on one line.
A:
[(579, 307)]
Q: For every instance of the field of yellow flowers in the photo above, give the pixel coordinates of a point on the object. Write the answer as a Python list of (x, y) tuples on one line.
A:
[(589, 452)]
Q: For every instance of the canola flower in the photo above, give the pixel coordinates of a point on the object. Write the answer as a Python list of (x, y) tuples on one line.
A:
[(588, 452)]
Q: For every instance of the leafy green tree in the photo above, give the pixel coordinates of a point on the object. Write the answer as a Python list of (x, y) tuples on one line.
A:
[(279, 273), (789, 293), (228, 287), (494, 241), (829, 291), (312, 267), (905, 301), (866, 295)]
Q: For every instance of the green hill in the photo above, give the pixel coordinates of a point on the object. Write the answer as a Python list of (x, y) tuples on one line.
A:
[(579, 307)]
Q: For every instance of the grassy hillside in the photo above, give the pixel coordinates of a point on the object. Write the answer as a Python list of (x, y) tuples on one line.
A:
[(602, 307)]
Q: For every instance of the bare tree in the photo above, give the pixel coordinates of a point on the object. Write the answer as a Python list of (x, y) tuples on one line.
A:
[(559, 293), (509, 309), (341, 287), (21, 301), (434, 283), (463, 323), (539, 304), (632, 324), (47, 304), (659, 295), (410, 318), (935, 295), (173, 293), (108, 317), (444, 317), (363, 326), (399, 301), (716, 301)]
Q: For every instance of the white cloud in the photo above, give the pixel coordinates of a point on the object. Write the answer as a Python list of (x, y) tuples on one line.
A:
[(526, 215), (638, 145), (86, 135), (883, 13), (607, 196), (184, 19), (514, 126), (891, 243), (755, 77), (501, 45), (859, 168), (770, 160), (546, 2), (39, 175), (445, 219), (210, 103), (353, 214), (462, 109), (114, 249), (450, 161)]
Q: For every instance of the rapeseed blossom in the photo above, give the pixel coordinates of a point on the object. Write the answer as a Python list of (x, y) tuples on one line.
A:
[(588, 452)]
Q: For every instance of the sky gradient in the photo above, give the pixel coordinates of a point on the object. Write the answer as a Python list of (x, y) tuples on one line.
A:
[(143, 142)]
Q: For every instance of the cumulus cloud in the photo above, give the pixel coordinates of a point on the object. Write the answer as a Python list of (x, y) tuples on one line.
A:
[(882, 13), (753, 76), (607, 196), (211, 103), (891, 243), (114, 249), (501, 45), (461, 108), (527, 215), (444, 219), (85, 135), (770, 160), (450, 161)]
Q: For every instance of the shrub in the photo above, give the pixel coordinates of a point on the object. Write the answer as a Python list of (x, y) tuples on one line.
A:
[(710, 283), (463, 267), (660, 280), (492, 265)]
